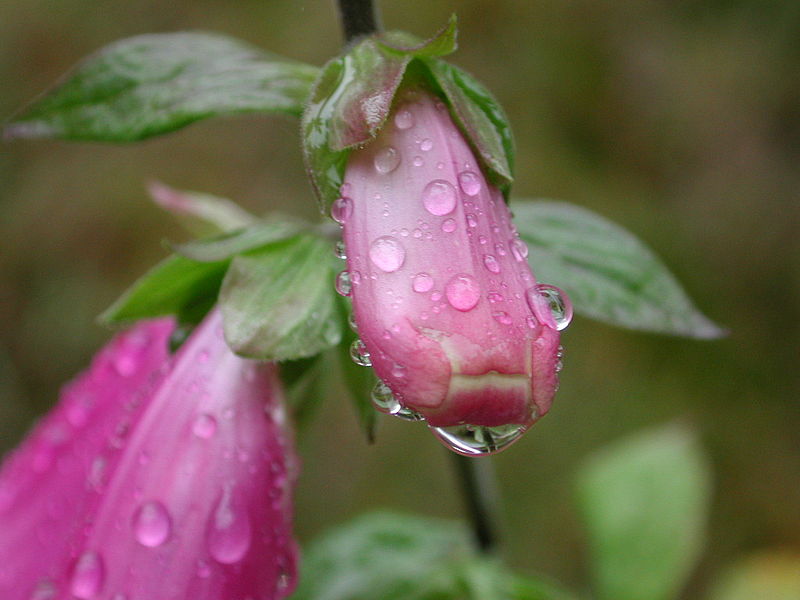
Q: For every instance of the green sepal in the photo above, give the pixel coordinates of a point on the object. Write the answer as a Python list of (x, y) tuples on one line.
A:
[(175, 286), (153, 84), (278, 302), (444, 42), (608, 273)]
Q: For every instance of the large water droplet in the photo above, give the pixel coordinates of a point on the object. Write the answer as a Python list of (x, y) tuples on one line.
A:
[(360, 354), (557, 301), (439, 197), (386, 160), (463, 292), (229, 531), (387, 253), (204, 426), (519, 249), (426, 144), (341, 210), (152, 524), (474, 440), (422, 283), (87, 576), (470, 183), (490, 262), (448, 225), (384, 400), (343, 283), (404, 119)]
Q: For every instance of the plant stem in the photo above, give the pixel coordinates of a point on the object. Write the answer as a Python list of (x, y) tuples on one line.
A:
[(480, 498), (359, 18)]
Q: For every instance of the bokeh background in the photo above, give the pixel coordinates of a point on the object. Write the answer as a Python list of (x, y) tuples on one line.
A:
[(679, 120)]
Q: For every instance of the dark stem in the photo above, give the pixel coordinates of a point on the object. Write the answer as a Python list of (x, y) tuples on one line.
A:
[(477, 486), (359, 18)]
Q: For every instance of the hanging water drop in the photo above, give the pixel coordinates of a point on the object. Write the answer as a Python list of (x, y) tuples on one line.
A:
[(386, 160), (359, 354), (87, 576), (384, 400), (387, 253), (341, 210), (474, 440), (339, 250), (557, 302), (343, 283), (439, 197), (152, 524), (463, 292)]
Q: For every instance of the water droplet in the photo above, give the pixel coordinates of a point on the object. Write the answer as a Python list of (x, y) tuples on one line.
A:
[(360, 354), (439, 197), (341, 210), (474, 440), (404, 119), (344, 189), (470, 183), (463, 292), (351, 320), (519, 249), (531, 322), (398, 371), (152, 524), (426, 144), (203, 569), (44, 590), (482, 240), (448, 225), (417, 233), (204, 426), (384, 400), (502, 317), (557, 301), (387, 253), (343, 284), (339, 250), (124, 365), (422, 283), (229, 531), (87, 576), (490, 262), (494, 297), (500, 249), (472, 220), (386, 160)]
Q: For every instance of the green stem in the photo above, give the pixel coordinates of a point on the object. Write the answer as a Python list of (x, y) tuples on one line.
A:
[(359, 18), (480, 498)]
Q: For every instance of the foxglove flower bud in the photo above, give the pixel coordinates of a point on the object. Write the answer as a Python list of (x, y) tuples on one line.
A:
[(153, 478), (447, 309)]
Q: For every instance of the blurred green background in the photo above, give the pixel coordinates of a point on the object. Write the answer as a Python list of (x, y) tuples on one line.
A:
[(678, 120)]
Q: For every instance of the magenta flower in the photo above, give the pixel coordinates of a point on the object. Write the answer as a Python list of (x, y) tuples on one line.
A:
[(448, 311), (155, 477)]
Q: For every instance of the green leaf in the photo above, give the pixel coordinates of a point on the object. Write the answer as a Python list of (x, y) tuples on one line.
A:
[(303, 384), (349, 103), (644, 501), (201, 214), (402, 43), (175, 286), (771, 575), (153, 84), (358, 381), (481, 118), (278, 303), (607, 272), (227, 245)]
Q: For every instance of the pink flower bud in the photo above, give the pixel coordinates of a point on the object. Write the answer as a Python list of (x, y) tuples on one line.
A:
[(445, 303), (155, 477)]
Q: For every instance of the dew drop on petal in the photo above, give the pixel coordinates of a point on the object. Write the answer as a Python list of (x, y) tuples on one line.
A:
[(426, 144), (500, 249), (386, 160), (152, 524), (519, 249), (404, 119), (204, 426), (417, 161), (463, 292), (339, 250), (474, 440), (502, 317), (494, 297), (44, 590), (341, 210), (449, 225), (472, 220), (359, 354), (88, 576), (343, 284), (229, 533), (439, 197), (387, 253), (470, 183), (491, 264), (422, 282), (384, 400)]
